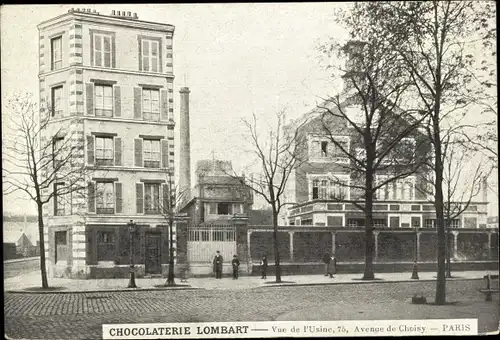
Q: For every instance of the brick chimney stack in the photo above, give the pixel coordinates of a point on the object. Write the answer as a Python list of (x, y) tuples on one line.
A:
[(185, 142)]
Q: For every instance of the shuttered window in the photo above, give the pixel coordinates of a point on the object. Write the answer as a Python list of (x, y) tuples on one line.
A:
[(104, 150), (103, 103), (102, 50), (151, 104), (105, 201), (152, 154), (57, 101), (150, 55), (152, 198), (56, 53)]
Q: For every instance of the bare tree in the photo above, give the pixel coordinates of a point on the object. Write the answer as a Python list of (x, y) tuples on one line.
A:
[(276, 151), (463, 178), (433, 40), (383, 142), (41, 160), (169, 208)]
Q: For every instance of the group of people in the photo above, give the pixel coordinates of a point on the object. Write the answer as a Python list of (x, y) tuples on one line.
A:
[(329, 260), (235, 263)]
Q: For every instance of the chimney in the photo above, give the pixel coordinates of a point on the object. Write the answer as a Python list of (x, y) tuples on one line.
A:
[(113, 12), (135, 16), (129, 14), (185, 148), (485, 189)]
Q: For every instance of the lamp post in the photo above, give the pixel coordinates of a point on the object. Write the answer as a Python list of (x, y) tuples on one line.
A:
[(132, 228), (414, 274)]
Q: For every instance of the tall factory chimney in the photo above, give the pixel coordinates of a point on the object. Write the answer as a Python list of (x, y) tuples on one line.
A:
[(185, 148)]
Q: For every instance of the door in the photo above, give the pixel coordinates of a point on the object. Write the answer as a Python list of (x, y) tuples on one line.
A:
[(61, 245), (153, 253)]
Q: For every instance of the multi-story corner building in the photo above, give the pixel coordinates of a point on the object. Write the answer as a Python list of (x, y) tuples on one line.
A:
[(106, 80)]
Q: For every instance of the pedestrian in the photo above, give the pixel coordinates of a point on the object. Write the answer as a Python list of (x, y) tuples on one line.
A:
[(236, 265), (263, 267), (332, 266), (326, 260), (218, 265)]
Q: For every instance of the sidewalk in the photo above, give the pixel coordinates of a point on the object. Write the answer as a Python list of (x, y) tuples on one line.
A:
[(32, 280)]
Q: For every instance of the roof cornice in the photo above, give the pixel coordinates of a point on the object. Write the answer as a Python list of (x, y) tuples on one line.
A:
[(100, 19)]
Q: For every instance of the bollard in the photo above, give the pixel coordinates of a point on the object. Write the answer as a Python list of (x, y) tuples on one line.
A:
[(414, 274), (488, 288)]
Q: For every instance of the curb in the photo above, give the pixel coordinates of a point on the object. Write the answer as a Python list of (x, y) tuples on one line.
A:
[(272, 285), (101, 290), (381, 281)]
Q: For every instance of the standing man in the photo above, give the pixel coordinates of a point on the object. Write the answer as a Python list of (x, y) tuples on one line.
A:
[(218, 265), (332, 266), (236, 265), (263, 267), (326, 260)]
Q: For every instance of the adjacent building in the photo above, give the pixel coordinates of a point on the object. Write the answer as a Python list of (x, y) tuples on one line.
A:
[(106, 80)]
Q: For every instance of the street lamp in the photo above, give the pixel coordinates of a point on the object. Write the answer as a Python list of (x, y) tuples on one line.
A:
[(414, 274), (132, 228)]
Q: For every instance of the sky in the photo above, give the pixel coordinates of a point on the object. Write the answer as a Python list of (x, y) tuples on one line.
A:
[(237, 59)]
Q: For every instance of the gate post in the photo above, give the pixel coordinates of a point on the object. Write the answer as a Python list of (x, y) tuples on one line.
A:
[(240, 223), (181, 232)]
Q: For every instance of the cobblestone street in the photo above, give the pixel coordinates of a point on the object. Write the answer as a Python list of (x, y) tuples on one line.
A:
[(81, 315)]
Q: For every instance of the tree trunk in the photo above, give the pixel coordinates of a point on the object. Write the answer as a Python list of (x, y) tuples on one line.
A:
[(275, 245), (43, 268), (369, 273), (448, 252), (170, 277), (438, 205)]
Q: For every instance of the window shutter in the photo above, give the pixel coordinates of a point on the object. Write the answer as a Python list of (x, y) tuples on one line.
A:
[(113, 52), (164, 153), (166, 207), (118, 195), (54, 197), (138, 152), (137, 103), (91, 198), (164, 104), (139, 195), (89, 89), (118, 151), (90, 149), (118, 102)]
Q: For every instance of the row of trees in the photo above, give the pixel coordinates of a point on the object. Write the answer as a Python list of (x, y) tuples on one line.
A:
[(412, 72)]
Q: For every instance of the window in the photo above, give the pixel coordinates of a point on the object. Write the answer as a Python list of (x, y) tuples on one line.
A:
[(404, 150), (237, 208), (415, 222), (151, 104), (56, 53), (379, 223), (150, 57), (106, 246), (152, 155), (103, 100), (58, 199), (308, 221), (323, 149), (106, 237), (355, 222), (152, 198), (394, 222), (330, 189), (223, 209), (102, 50), (470, 222), (60, 238), (104, 150), (105, 198), (56, 101), (455, 223), (398, 190), (57, 151), (429, 223)]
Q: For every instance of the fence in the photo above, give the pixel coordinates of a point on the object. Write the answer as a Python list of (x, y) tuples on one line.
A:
[(205, 240)]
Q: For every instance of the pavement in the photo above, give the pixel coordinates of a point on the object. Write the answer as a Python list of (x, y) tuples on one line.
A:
[(25, 282)]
